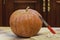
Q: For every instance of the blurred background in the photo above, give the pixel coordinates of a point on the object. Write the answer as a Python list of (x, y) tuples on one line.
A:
[(49, 9)]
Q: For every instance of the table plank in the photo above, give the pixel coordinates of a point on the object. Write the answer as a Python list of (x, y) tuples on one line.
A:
[(7, 34)]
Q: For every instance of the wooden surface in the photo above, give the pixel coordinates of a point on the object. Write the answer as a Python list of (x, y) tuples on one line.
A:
[(9, 6), (7, 34), (0, 12)]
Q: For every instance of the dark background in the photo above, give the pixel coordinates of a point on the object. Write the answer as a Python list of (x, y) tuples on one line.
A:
[(52, 17)]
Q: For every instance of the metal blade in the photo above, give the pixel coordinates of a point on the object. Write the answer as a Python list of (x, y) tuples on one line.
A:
[(46, 24)]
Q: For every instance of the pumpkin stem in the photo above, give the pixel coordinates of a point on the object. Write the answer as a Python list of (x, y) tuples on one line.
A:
[(27, 8)]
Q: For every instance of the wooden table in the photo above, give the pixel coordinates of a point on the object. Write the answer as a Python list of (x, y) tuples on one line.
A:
[(7, 34)]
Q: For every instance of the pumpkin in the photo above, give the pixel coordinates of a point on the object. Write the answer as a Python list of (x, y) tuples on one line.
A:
[(25, 22)]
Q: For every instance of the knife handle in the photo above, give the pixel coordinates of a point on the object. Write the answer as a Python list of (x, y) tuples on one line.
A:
[(51, 30)]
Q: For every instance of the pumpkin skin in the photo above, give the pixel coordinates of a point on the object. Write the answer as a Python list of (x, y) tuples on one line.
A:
[(25, 23)]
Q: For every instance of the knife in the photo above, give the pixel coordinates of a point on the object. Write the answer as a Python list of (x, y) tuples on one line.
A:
[(47, 25)]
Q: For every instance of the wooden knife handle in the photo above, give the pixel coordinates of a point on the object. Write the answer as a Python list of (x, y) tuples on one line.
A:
[(51, 30)]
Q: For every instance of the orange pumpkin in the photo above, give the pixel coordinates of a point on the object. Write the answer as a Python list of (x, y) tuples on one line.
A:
[(25, 23)]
